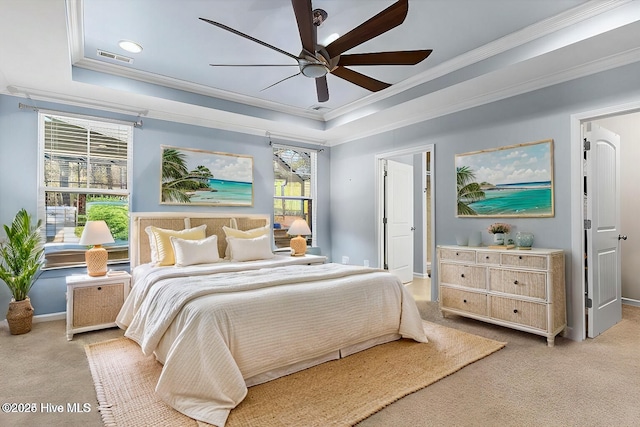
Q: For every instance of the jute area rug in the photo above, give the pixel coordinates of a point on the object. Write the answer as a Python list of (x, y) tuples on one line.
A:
[(336, 393)]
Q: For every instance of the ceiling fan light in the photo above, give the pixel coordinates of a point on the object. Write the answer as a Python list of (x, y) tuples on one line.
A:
[(314, 70)]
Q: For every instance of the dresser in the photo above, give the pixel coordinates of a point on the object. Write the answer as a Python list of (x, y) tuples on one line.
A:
[(523, 290)]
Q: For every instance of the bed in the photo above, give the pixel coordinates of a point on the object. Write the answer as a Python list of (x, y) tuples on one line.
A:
[(220, 325)]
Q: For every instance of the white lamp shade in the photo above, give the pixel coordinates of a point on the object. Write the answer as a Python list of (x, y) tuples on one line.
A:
[(299, 227), (96, 233)]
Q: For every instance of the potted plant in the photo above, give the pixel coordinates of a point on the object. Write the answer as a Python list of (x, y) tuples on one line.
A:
[(499, 229), (20, 259)]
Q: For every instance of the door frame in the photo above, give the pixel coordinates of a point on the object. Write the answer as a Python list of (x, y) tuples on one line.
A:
[(577, 291), (379, 202)]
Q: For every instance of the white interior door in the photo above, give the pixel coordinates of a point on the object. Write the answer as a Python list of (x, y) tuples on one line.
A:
[(399, 217), (602, 161)]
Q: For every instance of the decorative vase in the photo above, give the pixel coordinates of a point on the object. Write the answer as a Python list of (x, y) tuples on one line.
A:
[(462, 239), (20, 316), (498, 238), (475, 239), (524, 239)]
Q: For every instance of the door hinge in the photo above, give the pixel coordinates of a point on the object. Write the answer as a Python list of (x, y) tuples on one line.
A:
[(384, 220), (587, 224), (588, 302), (586, 145), (386, 266)]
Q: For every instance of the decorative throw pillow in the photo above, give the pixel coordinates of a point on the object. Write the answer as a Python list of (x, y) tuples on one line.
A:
[(250, 249), (162, 242), (240, 234), (190, 252)]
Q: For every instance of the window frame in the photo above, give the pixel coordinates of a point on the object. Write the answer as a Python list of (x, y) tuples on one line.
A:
[(43, 189), (313, 156)]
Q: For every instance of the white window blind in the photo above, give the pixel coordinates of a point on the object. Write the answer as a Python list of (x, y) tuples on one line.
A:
[(85, 176)]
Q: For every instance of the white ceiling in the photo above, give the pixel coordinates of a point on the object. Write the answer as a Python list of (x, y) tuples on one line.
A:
[(483, 50)]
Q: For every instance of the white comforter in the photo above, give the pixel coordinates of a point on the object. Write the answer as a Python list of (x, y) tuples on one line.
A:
[(229, 326)]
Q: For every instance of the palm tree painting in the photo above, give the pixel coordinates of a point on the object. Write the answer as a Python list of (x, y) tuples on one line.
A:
[(511, 181), (198, 177)]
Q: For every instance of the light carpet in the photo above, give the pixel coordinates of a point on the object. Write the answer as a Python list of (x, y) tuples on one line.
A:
[(336, 393)]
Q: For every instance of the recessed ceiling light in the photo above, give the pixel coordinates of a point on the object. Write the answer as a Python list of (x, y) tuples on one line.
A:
[(130, 46)]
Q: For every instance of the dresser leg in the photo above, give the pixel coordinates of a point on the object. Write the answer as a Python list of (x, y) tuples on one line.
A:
[(551, 341)]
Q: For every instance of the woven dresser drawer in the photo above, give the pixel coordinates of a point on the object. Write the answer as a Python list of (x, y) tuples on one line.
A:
[(517, 311), (457, 255), (538, 262), (463, 275), (518, 282), (96, 305), (470, 302), (487, 257)]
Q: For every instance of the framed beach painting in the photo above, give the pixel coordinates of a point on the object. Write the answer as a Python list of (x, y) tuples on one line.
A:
[(511, 181), (198, 177)]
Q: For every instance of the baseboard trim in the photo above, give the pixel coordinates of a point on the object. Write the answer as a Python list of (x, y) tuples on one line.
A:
[(630, 301), (50, 317), (421, 275)]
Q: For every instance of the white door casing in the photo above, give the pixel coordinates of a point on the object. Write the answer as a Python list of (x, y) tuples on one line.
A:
[(602, 168), (399, 217)]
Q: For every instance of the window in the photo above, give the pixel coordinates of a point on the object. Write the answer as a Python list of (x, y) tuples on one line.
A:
[(294, 171), (84, 167)]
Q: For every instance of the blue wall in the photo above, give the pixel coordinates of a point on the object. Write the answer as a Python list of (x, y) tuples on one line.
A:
[(534, 116), (19, 178)]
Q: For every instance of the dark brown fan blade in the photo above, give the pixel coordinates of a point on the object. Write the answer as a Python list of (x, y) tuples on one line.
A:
[(322, 89), (360, 79), (381, 23), (246, 36), (402, 57), (302, 9)]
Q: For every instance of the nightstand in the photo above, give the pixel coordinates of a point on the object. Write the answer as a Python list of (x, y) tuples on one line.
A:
[(94, 302)]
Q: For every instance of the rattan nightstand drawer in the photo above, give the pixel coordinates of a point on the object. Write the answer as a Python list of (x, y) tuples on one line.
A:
[(94, 302), (97, 304)]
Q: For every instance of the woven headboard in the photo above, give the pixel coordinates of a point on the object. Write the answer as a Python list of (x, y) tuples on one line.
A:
[(140, 251)]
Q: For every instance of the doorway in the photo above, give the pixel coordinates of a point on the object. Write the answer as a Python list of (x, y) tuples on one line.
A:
[(421, 161), (624, 121)]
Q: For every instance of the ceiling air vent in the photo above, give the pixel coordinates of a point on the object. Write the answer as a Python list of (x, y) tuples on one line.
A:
[(319, 108), (114, 56)]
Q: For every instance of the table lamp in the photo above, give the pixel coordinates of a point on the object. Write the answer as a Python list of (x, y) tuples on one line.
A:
[(299, 244), (96, 233)]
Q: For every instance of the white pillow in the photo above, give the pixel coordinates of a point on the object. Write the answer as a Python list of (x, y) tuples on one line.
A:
[(190, 252), (243, 234), (250, 249), (161, 250)]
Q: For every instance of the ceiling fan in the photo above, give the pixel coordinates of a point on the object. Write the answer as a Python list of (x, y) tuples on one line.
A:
[(316, 61)]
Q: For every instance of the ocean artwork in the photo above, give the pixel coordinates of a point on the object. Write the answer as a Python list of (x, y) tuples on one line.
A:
[(512, 181), (199, 177)]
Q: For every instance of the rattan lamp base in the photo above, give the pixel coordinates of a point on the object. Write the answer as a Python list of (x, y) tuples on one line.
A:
[(299, 246), (96, 259)]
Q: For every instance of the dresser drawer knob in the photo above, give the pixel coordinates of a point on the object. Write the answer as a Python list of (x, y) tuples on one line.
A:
[(520, 257), (99, 288), (464, 301), (515, 310), (487, 257), (457, 254), (515, 282), (462, 275)]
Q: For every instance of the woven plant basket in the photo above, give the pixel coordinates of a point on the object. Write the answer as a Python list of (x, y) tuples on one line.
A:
[(20, 316)]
